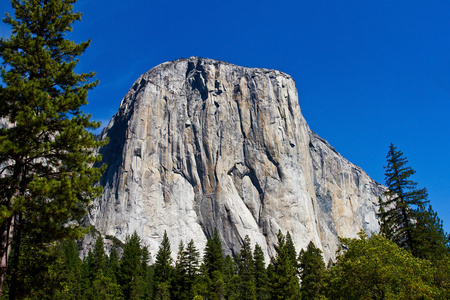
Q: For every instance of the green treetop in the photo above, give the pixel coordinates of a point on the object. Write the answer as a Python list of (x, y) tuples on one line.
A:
[(283, 282), (397, 211), (404, 217), (312, 272), (213, 256), (46, 152), (261, 281), (164, 260), (376, 268)]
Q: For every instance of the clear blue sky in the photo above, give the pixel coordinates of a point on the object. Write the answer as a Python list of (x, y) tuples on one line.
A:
[(368, 72)]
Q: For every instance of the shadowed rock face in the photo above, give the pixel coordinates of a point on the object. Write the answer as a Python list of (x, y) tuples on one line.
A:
[(200, 144)]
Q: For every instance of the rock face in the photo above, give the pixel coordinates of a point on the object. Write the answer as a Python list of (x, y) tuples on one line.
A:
[(200, 144)]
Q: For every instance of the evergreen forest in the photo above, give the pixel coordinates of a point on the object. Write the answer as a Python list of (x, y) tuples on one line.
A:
[(366, 268)]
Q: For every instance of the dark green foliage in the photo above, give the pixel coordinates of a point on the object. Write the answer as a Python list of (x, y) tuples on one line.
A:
[(50, 266), (193, 261), (133, 269), (105, 287), (290, 248), (163, 271), (98, 256), (228, 267), (113, 265), (98, 281), (261, 280), (217, 287), (313, 273), (46, 152), (231, 278), (163, 264), (181, 285), (432, 242), (67, 274), (203, 283), (186, 271), (370, 268), (404, 217), (246, 271), (283, 283), (213, 257), (402, 197)]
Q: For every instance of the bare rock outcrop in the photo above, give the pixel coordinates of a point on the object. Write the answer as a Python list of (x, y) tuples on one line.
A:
[(200, 144)]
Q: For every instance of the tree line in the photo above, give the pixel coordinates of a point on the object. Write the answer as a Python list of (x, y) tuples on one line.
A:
[(366, 268)]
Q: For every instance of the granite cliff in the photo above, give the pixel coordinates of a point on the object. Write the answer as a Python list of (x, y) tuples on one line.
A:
[(199, 144)]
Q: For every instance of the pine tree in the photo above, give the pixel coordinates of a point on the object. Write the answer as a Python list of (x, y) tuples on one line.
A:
[(404, 217), (213, 258), (46, 153), (290, 248), (113, 265), (193, 261), (163, 268), (397, 212), (247, 289), (45, 273), (189, 262), (230, 278), (130, 276), (87, 275), (432, 242), (261, 280), (99, 256), (312, 272), (72, 269), (180, 287), (283, 282), (228, 267)]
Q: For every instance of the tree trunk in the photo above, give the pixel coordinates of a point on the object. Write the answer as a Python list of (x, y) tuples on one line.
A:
[(9, 225), (7, 229), (15, 260)]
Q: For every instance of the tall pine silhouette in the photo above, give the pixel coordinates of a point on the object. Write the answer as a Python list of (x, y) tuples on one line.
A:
[(46, 152), (405, 217)]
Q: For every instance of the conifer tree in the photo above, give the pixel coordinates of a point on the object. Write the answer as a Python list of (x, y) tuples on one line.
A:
[(261, 281), (404, 216), (397, 212), (228, 267), (230, 277), (312, 272), (193, 261), (131, 274), (180, 287), (46, 153), (290, 248), (87, 275), (163, 269), (283, 282), (99, 256), (432, 241), (113, 265), (191, 258), (203, 283), (72, 269), (247, 289), (213, 258)]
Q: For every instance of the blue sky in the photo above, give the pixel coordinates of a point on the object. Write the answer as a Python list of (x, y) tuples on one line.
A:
[(368, 72)]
